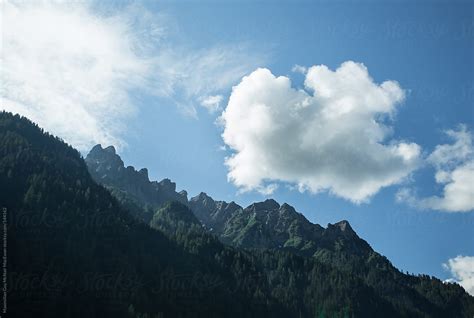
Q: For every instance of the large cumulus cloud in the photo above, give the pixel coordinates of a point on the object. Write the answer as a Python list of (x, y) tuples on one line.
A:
[(333, 135)]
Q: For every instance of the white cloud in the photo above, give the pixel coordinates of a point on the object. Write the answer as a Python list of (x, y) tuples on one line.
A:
[(188, 77), (462, 270), (333, 138), (68, 70), (299, 69), (454, 164), (268, 189), (212, 103), (449, 155), (74, 70)]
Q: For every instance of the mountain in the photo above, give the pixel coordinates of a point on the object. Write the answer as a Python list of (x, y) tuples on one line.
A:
[(74, 250), (131, 187), (260, 225), (269, 226)]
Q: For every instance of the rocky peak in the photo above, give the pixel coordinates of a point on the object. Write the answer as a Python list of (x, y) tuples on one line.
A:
[(184, 194), (110, 149), (167, 185), (144, 172), (96, 148), (203, 197), (285, 208), (97, 151), (233, 206), (107, 168), (104, 161), (204, 204), (342, 227), (266, 205)]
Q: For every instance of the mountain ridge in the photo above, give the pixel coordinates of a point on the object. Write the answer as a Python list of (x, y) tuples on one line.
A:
[(74, 251), (102, 262), (107, 168), (267, 225)]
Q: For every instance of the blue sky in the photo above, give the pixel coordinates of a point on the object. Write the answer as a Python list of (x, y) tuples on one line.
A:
[(142, 71)]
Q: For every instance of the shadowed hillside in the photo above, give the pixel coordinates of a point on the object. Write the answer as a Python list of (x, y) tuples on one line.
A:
[(76, 251)]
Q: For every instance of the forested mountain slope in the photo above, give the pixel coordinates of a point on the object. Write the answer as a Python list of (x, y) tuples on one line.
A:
[(267, 225), (75, 251)]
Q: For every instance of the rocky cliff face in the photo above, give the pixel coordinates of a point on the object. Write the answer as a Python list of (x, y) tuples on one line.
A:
[(268, 224), (264, 224), (107, 168), (214, 215)]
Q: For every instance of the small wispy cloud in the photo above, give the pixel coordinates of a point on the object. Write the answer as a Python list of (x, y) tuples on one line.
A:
[(188, 77), (212, 103), (454, 166), (299, 69)]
